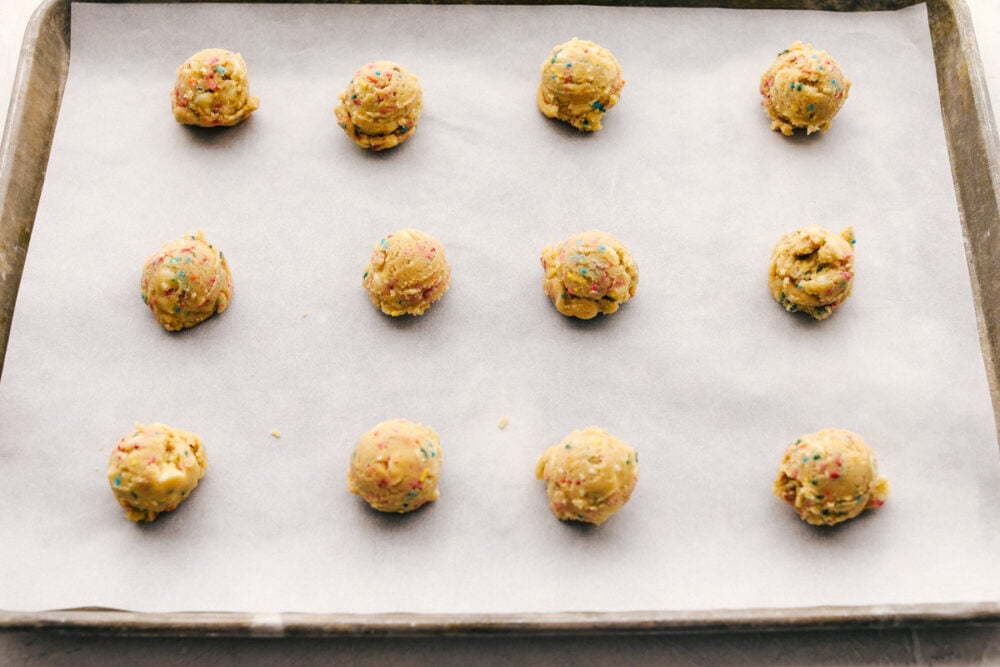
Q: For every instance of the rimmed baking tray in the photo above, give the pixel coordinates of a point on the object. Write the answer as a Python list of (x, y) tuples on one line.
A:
[(972, 144)]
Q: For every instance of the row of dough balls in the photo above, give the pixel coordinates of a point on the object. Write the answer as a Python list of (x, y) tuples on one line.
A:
[(828, 477), (188, 280), (580, 81)]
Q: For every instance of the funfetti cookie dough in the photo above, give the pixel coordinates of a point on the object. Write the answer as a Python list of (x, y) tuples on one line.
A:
[(154, 468), (812, 270), (381, 106), (186, 282), (212, 89), (803, 89), (580, 82), (589, 273), (830, 476), (407, 272), (396, 465), (588, 476)]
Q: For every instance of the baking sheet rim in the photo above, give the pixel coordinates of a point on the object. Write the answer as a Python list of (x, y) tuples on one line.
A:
[(23, 143), (236, 624)]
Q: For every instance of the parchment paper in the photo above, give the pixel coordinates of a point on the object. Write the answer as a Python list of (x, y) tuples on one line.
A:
[(703, 373)]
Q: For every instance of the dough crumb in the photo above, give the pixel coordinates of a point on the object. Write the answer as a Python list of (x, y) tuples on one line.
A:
[(395, 466), (275, 433), (580, 82), (212, 89), (830, 476), (812, 270), (186, 282), (803, 89), (589, 476), (154, 468), (381, 106), (589, 273)]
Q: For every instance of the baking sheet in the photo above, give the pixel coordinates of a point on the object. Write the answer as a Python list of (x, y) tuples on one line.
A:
[(702, 372)]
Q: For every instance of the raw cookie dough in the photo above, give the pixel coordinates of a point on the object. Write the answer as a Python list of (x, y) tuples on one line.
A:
[(812, 270), (589, 476), (186, 282), (407, 273), (395, 466), (212, 89), (580, 82), (154, 468), (381, 105), (589, 273), (830, 476), (804, 88)]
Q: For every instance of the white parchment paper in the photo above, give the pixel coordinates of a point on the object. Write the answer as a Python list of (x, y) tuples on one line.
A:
[(703, 373)]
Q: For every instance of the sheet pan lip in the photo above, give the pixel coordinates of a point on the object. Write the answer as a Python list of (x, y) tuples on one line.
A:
[(103, 621), (99, 621), (27, 138)]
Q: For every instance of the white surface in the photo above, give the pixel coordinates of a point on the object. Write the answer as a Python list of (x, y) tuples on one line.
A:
[(959, 647), (709, 406)]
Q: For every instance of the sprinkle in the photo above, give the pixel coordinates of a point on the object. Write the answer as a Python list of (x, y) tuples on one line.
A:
[(503, 423), (275, 433)]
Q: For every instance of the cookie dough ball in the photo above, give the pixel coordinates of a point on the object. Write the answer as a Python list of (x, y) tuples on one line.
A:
[(589, 273), (580, 82), (407, 273), (154, 468), (588, 476), (830, 476), (381, 105), (804, 88), (812, 270), (395, 466), (212, 89), (186, 282)]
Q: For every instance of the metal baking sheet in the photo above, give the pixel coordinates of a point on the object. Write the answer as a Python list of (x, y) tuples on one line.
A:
[(249, 516)]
